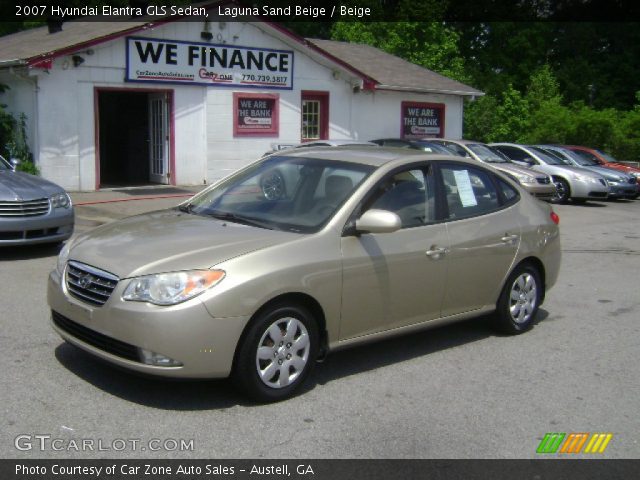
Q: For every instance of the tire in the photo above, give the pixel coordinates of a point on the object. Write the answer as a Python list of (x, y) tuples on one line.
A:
[(563, 192), (273, 185), (268, 365), (519, 300)]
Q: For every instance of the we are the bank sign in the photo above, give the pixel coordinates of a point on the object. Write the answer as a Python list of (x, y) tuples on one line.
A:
[(169, 61)]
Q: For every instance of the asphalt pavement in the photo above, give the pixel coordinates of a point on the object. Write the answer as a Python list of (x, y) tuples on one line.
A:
[(461, 391)]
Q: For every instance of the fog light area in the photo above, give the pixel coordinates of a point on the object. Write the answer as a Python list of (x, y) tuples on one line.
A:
[(153, 358)]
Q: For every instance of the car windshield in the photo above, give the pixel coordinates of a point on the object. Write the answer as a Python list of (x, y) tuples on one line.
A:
[(548, 158), (579, 159), (432, 147), (485, 154), (607, 157), (282, 193)]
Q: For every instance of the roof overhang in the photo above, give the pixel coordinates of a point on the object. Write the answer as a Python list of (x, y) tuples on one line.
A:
[(461, 93)]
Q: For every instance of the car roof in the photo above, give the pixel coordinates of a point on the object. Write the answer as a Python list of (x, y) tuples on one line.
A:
[(336, 143), (375, 157)]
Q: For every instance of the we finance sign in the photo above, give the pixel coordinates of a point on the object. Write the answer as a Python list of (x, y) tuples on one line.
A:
[(168, 61)]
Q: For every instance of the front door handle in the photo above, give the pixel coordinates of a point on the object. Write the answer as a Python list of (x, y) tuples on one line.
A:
[(509, 238), (436, 252)]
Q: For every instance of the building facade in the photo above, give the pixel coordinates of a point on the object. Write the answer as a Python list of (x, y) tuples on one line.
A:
[(187, 102)]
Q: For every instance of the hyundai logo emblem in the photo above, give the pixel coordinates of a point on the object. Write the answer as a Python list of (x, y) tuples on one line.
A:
[(85, 280)]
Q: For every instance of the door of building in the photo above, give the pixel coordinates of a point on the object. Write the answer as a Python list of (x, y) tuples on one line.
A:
[(158, 138)]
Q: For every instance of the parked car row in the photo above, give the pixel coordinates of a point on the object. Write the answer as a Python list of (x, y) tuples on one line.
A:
[(549, 172)]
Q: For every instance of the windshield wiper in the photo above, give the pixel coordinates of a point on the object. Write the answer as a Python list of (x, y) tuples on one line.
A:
[(233, 217), (186, 208)]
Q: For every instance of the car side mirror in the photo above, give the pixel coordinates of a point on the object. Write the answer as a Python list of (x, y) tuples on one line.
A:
[(378, 221), (529, 161), (14, 163)]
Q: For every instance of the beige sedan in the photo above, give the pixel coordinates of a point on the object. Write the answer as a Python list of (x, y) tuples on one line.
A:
[(358, 245)]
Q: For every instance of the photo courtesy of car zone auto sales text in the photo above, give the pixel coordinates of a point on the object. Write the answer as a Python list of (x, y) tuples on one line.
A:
[(278, 239)]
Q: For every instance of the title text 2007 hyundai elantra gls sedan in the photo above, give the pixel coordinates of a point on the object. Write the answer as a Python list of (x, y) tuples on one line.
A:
[(349, 246)]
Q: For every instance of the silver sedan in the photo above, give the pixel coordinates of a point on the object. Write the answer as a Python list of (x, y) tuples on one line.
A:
[(32, 209), (575, 183)]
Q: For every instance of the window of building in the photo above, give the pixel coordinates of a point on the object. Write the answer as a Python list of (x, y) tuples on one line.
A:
[(314, 116)]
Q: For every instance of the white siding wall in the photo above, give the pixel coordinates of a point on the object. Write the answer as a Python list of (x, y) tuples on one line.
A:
[(377, 114), (226, 153), (62, 119)]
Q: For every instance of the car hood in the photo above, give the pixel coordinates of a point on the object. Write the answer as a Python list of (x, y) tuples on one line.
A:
[(621, 166), (579, 171), (22, 186), (511, 167), (608, 173), (169, 240)]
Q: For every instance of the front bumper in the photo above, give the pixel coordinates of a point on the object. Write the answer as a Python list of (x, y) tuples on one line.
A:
[(588, 189), (54, 226), (114, 332), (542, 191), (621, 190)]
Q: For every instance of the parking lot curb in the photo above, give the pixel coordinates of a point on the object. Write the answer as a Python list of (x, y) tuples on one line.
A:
[(130, 199)]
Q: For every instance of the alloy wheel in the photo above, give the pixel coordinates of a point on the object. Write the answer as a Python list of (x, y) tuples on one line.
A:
[(523, 298), (283, 352)]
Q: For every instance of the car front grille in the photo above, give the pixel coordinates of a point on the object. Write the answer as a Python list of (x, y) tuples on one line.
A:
[(598, 194), (19, 208), (543, 180), (95, 339), (90, 284)]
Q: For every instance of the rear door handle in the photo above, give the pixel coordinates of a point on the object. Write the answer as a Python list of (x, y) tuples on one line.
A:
[(436, 252), (509, 238)]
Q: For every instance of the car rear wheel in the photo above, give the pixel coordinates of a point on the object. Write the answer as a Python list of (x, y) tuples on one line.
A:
[(277, 354), (519, 301), (563, 191)]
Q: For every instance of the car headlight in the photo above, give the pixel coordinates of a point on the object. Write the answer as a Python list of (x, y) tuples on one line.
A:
[(60, 200), (63, 256), (524, 178), (171, 288), (581, 178)]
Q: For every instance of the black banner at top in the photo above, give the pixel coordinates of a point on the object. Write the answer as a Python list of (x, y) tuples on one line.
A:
[(322, 11)]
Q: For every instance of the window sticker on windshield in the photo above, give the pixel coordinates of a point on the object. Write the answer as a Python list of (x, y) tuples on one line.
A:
[(465, 191)]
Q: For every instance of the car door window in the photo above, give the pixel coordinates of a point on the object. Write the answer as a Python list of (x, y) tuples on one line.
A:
[(469, 191), (410, 194), (509, 194), (587, 155), (458, 149), (513, 153)]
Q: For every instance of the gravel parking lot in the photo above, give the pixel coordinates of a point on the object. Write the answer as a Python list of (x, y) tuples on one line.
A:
[(461, 391)]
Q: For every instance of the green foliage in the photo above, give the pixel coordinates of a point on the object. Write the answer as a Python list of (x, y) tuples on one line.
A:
[(432, 45), (17, 147), (28, 167), (7, 126)]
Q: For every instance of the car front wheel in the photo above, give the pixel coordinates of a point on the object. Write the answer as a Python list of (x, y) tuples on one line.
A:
[(277, 354), (563, 191), (519, 300)]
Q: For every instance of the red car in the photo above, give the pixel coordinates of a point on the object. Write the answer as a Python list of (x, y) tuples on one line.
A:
[(606, 160)]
